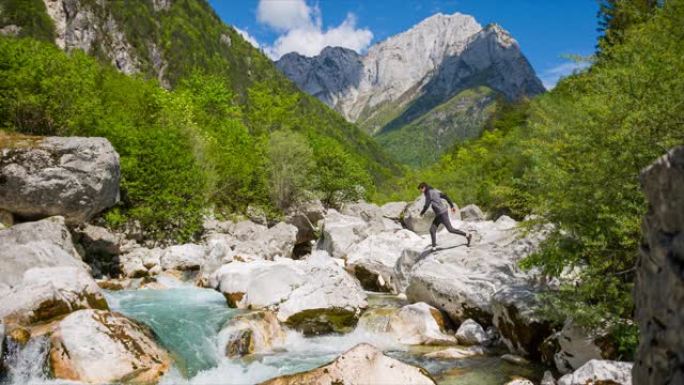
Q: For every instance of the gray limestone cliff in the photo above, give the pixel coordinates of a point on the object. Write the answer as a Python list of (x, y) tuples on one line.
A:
[(659, 291)]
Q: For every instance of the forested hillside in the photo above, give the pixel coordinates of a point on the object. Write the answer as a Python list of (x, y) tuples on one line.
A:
[(204, 120), (572, 157)]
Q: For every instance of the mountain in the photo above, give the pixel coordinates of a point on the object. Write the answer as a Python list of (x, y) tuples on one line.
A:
[(169, 40), (418, 72)]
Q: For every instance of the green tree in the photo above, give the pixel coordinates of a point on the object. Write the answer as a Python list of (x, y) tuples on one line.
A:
[(339, 177), (290, 167), (617, 16)]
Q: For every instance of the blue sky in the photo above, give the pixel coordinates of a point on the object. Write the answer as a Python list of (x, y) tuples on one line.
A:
[(545, 29)]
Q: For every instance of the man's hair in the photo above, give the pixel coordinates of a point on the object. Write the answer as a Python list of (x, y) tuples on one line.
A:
[(423, 184)]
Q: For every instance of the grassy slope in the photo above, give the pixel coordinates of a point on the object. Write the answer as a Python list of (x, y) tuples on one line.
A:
[(424, 140)]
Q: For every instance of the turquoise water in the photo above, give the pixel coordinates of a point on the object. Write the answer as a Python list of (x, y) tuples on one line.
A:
[(186, 321)]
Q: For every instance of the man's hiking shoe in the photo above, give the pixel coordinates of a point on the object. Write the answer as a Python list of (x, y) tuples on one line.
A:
[(469, 237)]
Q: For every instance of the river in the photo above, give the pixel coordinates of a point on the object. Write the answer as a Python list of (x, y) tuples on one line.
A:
[(187, 320)]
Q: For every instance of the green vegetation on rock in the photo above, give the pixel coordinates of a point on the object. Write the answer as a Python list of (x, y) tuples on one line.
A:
[(424, 140)]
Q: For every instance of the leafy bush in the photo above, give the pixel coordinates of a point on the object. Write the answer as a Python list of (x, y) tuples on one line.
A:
[(291, 164)]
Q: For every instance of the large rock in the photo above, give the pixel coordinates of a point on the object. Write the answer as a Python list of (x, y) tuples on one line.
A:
[(393, 210), (99, 241), (247, 230), (72, 177), (249, 333), (577, 346), (100, 347), (189, 256), (659, 291), (472, 213), (421, 224), (342, 232), (141, 262), (415, 324), (277, 241), (305, 218), (363, 364), (369, 212), (471, 333), (47, 293), (101, 248), (462, 280), (315, 295), (44, 243), (373, 259), (518, 318), (598, 372)]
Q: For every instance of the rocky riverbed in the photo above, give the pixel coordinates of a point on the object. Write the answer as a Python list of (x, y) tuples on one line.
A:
[(327, 295)]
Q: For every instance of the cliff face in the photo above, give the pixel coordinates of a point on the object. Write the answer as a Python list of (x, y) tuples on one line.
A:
[(162, 39), (659, 291), (408, 75)]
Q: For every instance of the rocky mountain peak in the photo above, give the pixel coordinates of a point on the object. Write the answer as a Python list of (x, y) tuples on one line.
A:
[(402, 78)]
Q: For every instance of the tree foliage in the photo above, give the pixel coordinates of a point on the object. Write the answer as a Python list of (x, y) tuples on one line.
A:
[(291, 165)]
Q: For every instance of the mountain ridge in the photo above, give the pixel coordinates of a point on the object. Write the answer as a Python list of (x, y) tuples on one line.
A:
[(405, 76)]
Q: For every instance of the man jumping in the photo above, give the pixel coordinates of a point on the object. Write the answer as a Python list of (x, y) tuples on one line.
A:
[(434, 197)]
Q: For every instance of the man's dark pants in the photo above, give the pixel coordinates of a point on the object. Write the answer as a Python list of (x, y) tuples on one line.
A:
[(442, 219)]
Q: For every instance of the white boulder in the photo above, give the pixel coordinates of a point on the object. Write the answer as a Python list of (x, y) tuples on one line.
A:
[(363, 364), (462, 280), (471, 333), (472, 213), (393, 210), (314, 295), (68, 176), (457, 353), (415, 324), (373, 259), (576, 346), (341, 232), (597, 372), (189, 256), (44, 243), (100, 347), (140, 262), (250, 333), (47, 293)]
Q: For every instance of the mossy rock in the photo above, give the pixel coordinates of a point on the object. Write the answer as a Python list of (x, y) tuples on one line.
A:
[(323, 321)]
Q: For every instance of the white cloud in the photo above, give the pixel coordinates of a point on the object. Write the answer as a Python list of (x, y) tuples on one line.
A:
[(301, 30), (552, 75), (284, 15), (245, 35)]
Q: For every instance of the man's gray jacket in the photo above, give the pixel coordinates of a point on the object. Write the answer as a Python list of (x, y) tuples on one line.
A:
[(434, 197)]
